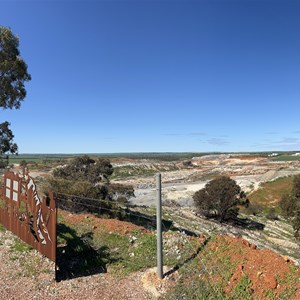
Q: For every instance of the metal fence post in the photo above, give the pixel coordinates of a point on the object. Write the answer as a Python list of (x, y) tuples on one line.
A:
[(159, 228)]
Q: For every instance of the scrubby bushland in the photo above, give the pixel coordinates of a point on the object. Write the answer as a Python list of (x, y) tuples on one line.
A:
[(78, 188), (83, 181), (220, 199), (290, 205), (84, 168)]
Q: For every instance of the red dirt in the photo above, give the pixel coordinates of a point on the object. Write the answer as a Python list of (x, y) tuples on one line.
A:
[(110, 225), (270, 275), (268, 271)]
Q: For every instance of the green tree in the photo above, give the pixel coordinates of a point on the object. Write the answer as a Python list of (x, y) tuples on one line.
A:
[(290, 205), (86, 169), (6, 143), (220, 199), (13, 70), (84, 180), (13, 75)]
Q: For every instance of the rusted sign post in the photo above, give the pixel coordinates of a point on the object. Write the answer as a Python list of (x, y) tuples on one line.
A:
[(28, 217)]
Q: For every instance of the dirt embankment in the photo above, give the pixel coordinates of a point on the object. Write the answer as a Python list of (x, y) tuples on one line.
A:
[(258, 273)]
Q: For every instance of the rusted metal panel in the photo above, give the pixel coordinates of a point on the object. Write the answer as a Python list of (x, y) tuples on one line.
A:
[(23, 213)]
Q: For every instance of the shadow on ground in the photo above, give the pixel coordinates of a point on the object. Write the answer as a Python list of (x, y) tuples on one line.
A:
[(194, 255), (246, 223), (149, 222), (76, 257)]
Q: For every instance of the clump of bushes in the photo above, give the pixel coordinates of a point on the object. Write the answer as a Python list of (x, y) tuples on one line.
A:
[(83, 185)]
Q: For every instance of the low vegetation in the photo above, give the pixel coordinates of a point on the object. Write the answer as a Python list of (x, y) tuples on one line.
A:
[(131, 171), (201, 267), (215, 267), (87, 243), (270, 193), (290, 205), (286, 157), (276, 199), (83, 185)]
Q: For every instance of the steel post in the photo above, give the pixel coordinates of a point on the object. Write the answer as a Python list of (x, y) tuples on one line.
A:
[(159, 228)]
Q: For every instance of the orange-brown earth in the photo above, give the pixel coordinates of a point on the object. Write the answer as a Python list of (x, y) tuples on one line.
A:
[(267, 272), (109, 225)]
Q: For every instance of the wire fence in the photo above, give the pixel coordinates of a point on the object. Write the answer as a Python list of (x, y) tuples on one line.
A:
[(205, 270), (211, 270), (214, 277), (100, 208)]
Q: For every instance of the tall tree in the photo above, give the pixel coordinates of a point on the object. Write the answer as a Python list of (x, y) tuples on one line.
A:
[(13, 75)]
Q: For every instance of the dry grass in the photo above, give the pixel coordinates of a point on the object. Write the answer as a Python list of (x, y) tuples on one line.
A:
[(270, 193)]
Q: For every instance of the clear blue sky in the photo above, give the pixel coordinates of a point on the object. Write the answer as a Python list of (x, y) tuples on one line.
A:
[(145, 76)]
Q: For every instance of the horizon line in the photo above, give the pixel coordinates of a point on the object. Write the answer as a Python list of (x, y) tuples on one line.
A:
[(151, 152)]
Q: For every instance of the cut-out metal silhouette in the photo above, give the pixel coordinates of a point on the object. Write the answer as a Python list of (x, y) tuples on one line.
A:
[(26, 215)]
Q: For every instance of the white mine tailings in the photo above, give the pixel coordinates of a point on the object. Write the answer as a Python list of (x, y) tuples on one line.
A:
[(180, 185)]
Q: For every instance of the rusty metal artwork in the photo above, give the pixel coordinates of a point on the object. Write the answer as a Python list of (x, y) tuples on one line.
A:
[(23, 213)]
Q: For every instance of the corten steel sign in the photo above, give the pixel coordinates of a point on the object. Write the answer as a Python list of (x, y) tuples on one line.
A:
[(23, 213)]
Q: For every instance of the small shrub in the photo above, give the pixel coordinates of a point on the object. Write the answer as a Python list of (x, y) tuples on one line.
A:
[(253, 209), (272, 214)]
